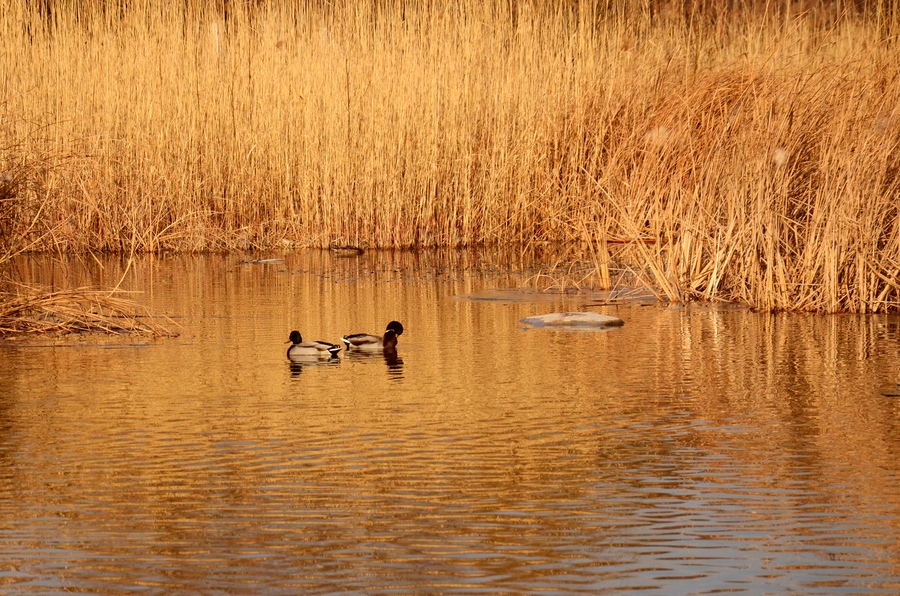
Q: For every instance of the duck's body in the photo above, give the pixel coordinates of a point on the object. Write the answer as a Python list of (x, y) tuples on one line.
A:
[(375, 343), (307, 349)]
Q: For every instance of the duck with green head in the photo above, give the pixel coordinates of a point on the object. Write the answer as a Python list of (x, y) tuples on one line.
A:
[(305, 349), (374, 343)]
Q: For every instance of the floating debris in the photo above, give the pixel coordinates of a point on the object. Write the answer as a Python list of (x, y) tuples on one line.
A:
[(573, 319), (346, 251)]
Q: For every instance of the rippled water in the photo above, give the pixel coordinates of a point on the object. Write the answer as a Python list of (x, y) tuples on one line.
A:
[(693, 450)]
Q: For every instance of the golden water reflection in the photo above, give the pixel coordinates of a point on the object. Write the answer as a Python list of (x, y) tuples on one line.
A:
[(693, 450)]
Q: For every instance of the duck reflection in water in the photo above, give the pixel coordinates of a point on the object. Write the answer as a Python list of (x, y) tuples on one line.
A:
[(390, 357), (394, 364), (296, 366)]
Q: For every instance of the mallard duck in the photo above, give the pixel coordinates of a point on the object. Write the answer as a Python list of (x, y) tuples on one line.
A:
[(372, 343), (300, 348)]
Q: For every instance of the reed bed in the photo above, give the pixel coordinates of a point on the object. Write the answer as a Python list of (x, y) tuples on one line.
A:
[(741, 151), (32, 310)]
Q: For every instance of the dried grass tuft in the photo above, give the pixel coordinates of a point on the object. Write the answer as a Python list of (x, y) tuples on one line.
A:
[(31, 310)]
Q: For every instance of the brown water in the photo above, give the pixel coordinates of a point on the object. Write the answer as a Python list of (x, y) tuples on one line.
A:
[(693, 450)]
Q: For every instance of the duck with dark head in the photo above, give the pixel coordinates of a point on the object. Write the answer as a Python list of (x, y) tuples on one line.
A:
[(300, 349), (375, 343)]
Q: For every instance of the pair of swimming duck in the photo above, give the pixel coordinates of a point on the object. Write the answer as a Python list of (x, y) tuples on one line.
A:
[(356, 341)]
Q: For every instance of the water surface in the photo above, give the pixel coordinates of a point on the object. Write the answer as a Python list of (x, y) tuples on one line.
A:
[(694, 450)]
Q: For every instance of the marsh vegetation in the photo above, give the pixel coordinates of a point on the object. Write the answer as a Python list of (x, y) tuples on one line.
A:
[(735, 151)]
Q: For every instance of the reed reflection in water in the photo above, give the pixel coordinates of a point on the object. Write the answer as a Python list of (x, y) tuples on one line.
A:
[(692, 450)]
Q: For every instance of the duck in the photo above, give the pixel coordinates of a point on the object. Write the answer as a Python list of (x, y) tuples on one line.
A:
[(373, 343), (300, 348)]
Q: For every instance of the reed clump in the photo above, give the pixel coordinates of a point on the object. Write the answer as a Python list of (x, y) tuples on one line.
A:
[(745, 154), (30, 310)]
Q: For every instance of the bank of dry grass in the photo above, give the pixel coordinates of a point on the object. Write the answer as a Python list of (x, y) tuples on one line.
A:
[(753, 151)]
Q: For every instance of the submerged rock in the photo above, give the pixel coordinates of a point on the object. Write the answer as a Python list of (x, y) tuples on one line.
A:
[(573, 319)]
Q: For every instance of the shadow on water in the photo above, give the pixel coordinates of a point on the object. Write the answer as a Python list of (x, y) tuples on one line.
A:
[(692, 450)]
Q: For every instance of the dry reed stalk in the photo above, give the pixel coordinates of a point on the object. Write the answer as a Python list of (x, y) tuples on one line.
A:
[(30, 310), (754, 155)]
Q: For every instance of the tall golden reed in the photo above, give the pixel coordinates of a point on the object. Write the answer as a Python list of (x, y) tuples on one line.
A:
[(754, 152)]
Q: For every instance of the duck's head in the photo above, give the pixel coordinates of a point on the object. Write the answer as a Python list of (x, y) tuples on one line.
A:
[(395, 327), (295, 337)]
